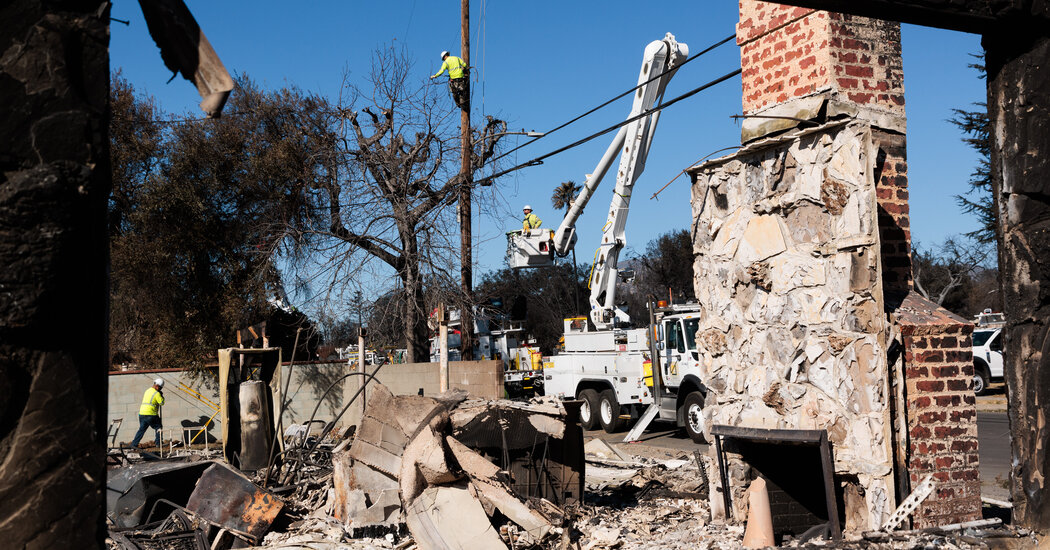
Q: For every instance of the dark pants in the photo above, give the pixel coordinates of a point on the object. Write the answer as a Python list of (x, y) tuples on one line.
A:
[(460, 88), (147, 421)]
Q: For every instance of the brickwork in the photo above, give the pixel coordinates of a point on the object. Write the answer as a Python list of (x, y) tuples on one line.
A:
[(788, 52), (941, 411), (800, 62), (891, 187)]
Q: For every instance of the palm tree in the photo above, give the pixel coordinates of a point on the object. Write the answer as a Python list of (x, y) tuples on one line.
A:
[(564, 195)]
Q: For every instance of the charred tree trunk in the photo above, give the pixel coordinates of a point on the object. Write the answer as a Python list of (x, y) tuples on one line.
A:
[(54, 184), (1019, 110)]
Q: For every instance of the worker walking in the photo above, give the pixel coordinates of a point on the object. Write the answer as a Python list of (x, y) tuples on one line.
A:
[(531, 221), (458, 83), (149, 412)]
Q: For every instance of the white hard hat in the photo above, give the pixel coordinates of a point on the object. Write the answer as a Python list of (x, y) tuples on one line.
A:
[(159, 382), (443, 54), (526, 207)]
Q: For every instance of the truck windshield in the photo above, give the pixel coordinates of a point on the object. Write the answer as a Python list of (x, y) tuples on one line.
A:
[(980, 337), (691, 326)]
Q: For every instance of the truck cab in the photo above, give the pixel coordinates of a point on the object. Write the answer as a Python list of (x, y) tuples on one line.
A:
[(612, 371), (987, 358), (678, 353)]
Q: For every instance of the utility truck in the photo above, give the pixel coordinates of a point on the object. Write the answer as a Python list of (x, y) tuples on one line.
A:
[(620, 371)]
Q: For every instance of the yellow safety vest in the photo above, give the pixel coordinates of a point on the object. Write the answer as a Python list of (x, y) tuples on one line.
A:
[(150, 401), (454, 66), (532, 221)]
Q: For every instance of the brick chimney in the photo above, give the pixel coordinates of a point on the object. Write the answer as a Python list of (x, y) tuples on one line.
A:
[(789, 52), (803, 67), (805, 64)]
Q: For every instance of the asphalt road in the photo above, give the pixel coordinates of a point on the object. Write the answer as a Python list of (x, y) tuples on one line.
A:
[(993, 436)]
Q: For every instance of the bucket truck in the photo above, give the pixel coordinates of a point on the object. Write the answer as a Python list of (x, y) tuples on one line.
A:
[(620, 372)]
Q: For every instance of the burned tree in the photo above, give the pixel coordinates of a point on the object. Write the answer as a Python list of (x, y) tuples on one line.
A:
[(392, 176), (192, 218), (946, 268)]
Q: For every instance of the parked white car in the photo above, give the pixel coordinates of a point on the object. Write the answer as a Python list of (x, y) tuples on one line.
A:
[(987, 358)]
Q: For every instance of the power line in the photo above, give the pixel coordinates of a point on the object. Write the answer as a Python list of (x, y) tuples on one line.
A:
[(628, 92), (539, 160)]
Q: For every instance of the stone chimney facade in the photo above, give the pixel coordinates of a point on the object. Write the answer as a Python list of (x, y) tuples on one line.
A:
[(801, 63), (802, 240)]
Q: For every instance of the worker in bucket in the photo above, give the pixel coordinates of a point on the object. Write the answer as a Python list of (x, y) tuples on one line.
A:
[(531, 221), (458, 83), (149, 411)]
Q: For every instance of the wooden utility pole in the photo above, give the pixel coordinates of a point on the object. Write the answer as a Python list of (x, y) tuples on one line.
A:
[(466, 285)]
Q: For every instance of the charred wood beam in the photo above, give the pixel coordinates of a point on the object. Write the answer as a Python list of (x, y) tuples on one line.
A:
[(1019, 109), (54, 185)]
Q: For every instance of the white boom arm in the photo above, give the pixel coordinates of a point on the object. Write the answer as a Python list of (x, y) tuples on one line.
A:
[(536, 247), (634, 139)]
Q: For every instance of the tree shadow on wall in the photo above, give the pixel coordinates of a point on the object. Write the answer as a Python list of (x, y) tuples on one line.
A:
[(322, 383)]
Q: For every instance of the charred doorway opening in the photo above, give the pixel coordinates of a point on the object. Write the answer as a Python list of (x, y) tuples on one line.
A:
[(798, 470)]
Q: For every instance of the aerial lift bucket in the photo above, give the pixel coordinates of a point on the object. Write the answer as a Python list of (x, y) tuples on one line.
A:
[(531, 248)]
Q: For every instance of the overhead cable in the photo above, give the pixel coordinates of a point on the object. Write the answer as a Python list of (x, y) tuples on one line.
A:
[(539, 160), (628, 92)]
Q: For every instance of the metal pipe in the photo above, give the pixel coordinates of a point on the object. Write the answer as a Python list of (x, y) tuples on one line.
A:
[(328, 428)]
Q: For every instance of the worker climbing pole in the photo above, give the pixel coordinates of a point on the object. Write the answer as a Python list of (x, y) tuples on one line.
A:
[(458, 79)]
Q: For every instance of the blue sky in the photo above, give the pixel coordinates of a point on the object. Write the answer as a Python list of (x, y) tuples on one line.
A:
[(540, 63)]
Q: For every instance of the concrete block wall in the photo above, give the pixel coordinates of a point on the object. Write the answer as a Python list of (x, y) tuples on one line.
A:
[(481, 379), (788, 52), (125, 397), (307, 388), (941, 411)]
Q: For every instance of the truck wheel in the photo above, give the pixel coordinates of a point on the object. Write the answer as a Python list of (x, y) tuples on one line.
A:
[(589, 409), (609, 412), (694, 416), (980, 379)]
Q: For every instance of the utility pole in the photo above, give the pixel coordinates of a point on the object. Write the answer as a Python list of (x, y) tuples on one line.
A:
[(466, 284)]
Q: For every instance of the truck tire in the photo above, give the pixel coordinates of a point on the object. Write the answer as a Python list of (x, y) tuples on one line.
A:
[(694, 418), (589, 409), (609, 412), (981, 378)]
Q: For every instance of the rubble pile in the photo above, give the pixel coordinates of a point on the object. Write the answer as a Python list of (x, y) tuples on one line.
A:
[(432, 464), (449, 473)]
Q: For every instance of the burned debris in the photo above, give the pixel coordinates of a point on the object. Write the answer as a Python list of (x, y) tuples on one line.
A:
[(443, 472), (451, 471)]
